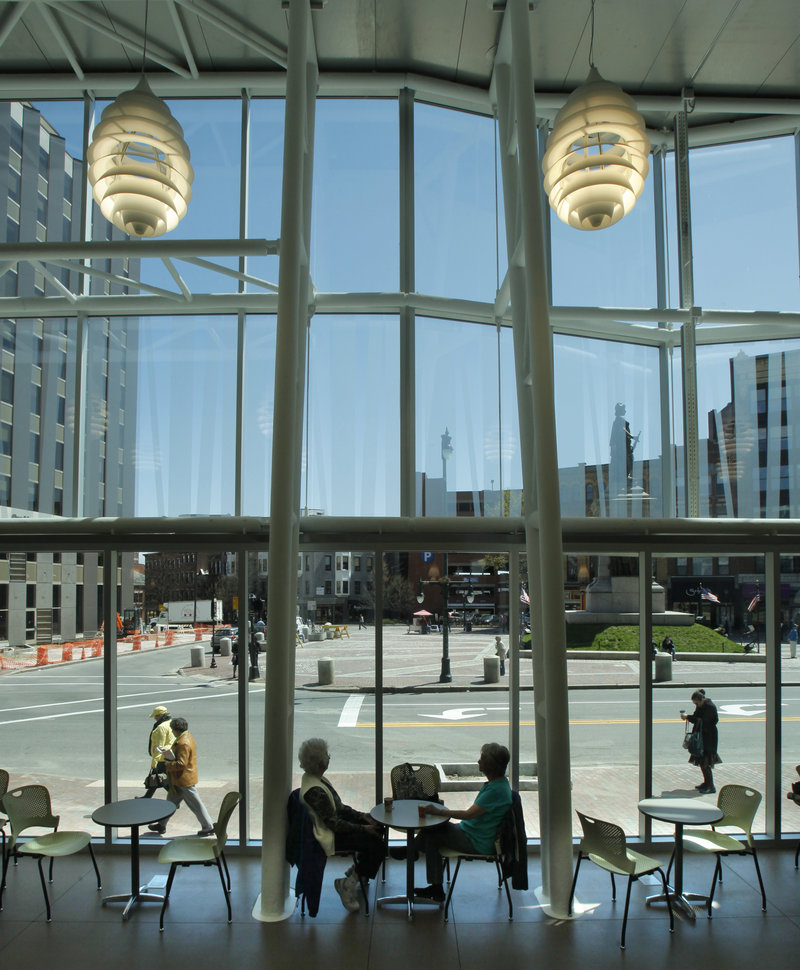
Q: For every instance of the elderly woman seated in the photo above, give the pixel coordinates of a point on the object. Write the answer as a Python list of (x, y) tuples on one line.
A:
[(338, 827), (478, 826)]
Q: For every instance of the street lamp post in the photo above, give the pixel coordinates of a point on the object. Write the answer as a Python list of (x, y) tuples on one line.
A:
[(445, 677)]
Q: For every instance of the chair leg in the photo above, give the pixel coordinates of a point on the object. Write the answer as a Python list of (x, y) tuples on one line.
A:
[(50, 873), (224, 890), (227, 873), (625, 914), (716, 879), (3, 879), (574, 883), (671, 860), (44, 886), (96, 870), (171, 876), (508, 897), (760, 882), (450, 889), (669, 903), (613, 888)]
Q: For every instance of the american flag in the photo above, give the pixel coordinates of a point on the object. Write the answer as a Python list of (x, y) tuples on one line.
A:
[(708, 596), (754, 602), (523, 596)]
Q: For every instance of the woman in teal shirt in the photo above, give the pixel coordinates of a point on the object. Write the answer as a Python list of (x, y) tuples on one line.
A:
[(478, 823)]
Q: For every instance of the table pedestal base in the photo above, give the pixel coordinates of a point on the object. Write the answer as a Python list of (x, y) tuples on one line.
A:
[(132, 898), (410, 903), (680, 901)]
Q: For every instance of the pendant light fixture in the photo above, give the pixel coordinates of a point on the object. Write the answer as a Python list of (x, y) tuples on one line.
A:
[(139, 166), (597, 156)]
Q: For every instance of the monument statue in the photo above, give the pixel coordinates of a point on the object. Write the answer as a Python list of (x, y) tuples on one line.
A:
[(622, 445)]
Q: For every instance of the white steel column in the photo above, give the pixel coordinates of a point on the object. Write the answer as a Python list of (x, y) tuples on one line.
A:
[(540, 465), (293, 282)]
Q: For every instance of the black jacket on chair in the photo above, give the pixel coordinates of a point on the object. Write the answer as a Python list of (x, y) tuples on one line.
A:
[(303, 851), (514, 844)]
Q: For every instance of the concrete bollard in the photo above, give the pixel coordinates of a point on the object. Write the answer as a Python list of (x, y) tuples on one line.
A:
[(325, 671), (197, 656), (491, 670), (225, 645), (663, 667)]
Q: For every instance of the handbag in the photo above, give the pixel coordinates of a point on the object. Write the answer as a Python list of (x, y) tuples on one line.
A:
[(695, 743), (156, 778)]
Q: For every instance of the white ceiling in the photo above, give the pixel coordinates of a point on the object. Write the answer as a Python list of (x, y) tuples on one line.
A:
[(732, 48)]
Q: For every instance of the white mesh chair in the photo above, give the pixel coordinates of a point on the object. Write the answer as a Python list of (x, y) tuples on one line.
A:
[(604, 844)]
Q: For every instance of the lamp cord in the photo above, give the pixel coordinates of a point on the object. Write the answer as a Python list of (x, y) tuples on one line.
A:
[(591, 39)]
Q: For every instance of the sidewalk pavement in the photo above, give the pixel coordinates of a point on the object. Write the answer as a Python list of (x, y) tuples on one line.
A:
[(413, 662)]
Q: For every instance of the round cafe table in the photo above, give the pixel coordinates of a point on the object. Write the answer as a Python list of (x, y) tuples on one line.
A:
[(680, 811), (131, 813), (404, 816)]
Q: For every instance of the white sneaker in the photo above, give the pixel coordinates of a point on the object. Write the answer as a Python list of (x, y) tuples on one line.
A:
[(346, 895)]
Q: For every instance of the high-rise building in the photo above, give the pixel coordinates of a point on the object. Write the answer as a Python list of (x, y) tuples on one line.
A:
[(57, 457)]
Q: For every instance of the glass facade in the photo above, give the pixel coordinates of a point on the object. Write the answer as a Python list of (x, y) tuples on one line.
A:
[(410, 412)]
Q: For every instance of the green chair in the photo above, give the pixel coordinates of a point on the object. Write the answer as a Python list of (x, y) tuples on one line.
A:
[(504, 849), (604, 844), (196, 851), (29, 807), (739, 805)]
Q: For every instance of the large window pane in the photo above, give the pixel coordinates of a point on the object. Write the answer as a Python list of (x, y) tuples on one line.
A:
[(744, 236), (352, 444), (611, 267), (467, 421), (355, 228), (749, 416), (716, 607), (212, 130), (259, 381), (184, 406), (455, 204), (51, 699), (605, 467), (265, 181)]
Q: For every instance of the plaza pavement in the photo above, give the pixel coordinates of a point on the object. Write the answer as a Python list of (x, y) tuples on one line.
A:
[(413, 662)]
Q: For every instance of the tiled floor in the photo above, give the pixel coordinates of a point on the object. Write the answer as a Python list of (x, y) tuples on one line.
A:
[(85, 933)]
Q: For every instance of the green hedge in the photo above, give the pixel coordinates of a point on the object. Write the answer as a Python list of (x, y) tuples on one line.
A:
[(689, 639)]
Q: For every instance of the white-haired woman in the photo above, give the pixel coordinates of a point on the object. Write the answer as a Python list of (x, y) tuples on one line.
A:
[(338, 827)]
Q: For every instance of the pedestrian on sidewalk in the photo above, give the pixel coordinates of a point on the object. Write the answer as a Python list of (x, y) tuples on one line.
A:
[(161, 736), (667, 646), (705, 720), (181, 763), (500, 650)]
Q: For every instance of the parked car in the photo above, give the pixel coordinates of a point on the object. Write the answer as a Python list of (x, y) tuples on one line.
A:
[(220, 632)]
